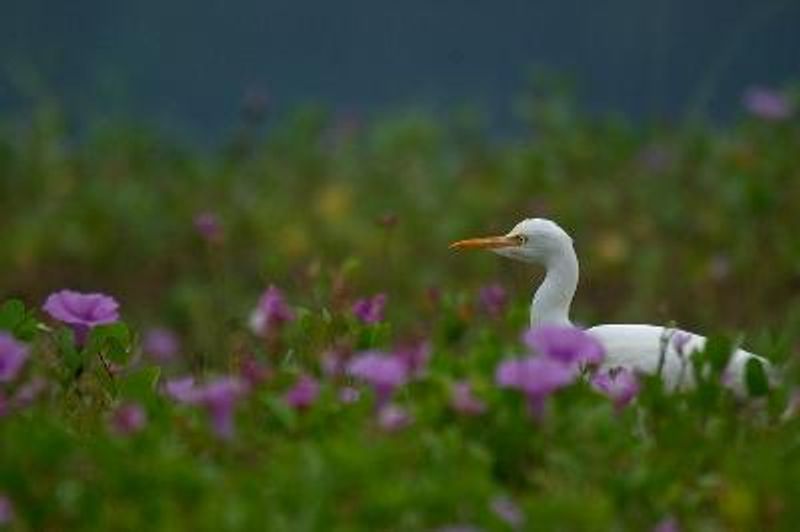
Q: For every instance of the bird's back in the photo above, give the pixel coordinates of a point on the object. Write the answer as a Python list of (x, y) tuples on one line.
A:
[(640, 347)]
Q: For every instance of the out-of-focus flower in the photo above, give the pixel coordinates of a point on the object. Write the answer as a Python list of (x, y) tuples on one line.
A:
[(271, 312), (619, 384), (384, 373), (303, 394), (565, 344), (181, 389), (13, 355), (6, 510), (463, 400), (668, 524), (508, 511), (81, 312), (679, 340), (208, 226), (536, 376), (219, 397), (334, 362), (415, 357), (253, 372), (370, 309), (161, 344), (29, 392), (492, 299), (349, 395), (392, 418), (128, 419), (767, 104)]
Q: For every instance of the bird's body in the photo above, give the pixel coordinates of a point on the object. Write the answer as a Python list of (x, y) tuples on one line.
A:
[(641, 348)]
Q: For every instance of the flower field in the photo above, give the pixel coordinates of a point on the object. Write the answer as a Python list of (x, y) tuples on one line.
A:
[(274, 335)]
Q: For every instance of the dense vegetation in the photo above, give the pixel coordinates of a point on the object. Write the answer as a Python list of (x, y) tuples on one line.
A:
[(350, 222)]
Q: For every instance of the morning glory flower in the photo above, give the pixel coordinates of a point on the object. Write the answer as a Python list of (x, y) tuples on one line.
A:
[(161, 344), (81, 312), (414, 356), (492, 299), (767, 104), (566, 344), (128, 419), (271, 312), (384, 373), (535, 376), (370, 310), (392, 418), (349, 395), (208, 226), (463, 400), (508, 511), (619, 384), (6, 510), (218, 397), (13, 355), (303, 394), (181, 389)]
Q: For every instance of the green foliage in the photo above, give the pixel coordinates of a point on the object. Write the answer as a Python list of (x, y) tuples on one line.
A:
[(670, 223)]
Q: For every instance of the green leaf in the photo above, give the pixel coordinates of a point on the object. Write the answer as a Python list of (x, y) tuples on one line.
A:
[(718, 352), (140, 385), (756, 378), (282, 412), (12, 313), (113, 341), (73, 358)]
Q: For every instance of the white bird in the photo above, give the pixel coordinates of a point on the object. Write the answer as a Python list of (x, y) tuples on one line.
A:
[(641, 348)]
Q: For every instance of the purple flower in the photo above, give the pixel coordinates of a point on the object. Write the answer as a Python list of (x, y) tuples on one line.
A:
[(492, 299), (271, 313), (161, 344), (218, 397), (384, 373), (414, 356), (13, 355), (619, 384), (463, 401), (566, 344), (181, 389), (253, 372), (81, 312), (370, 309), (128, 419), (208, 226), (392, 418), (6, 510), (349, 395), (679, 341), (303, 394), (29, 392), (535, 376), (767, 104), (668, 524), (505, 509)]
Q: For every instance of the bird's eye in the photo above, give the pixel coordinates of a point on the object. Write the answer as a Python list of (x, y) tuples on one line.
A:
[(521, 239)]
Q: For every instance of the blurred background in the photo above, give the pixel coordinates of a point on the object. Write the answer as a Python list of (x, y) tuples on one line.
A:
[(187, 66)]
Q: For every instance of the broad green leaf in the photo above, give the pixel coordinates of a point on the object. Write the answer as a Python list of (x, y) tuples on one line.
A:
[(756, 378), (12, 313)]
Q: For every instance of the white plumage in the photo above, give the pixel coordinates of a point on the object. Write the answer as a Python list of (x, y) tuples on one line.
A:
[(642, 348)]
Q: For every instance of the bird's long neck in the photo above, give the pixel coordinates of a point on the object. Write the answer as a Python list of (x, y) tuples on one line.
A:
[(553, 297)]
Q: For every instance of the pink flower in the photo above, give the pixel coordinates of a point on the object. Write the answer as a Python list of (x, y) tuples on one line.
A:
[(128, 419), (161, 344), (29, 392), (566, 344), (181, 389), (536, 376), (463, 401), (81, 312), (508, 511), (392, 418), (218, 397), (6, 510), (767, 104), (370, 310), (384, 373), (208, 226), (414, 356), (492, 299), (253, 372), (349, 395), (271, 313), (303, 394), (618, 384), (13, 355)]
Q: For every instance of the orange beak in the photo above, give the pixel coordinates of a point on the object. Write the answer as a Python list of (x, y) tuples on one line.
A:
[(492, 242)]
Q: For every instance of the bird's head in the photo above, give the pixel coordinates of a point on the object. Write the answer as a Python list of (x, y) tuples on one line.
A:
[(534, 240)]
